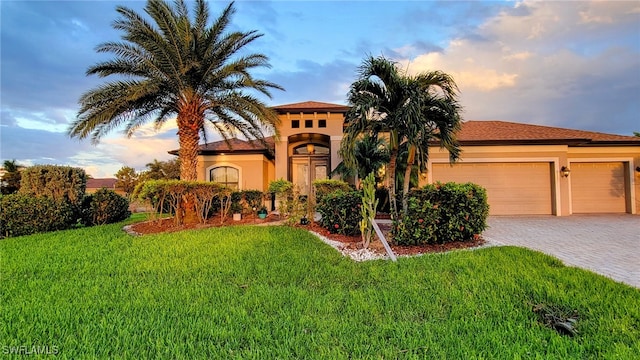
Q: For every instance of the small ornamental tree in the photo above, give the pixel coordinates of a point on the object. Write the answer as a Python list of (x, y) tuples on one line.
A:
[(127, 179), (283, 190)]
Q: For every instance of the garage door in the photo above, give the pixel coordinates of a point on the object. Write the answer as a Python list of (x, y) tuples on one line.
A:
[(597, 188), (512, 188)]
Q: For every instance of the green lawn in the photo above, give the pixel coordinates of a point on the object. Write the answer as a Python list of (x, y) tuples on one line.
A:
[(278, 292)]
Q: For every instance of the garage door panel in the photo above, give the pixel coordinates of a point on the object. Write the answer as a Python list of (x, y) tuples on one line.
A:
[(512, 188), (598, 187)]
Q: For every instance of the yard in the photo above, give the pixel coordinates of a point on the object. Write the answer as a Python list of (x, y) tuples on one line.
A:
[(279, 292)]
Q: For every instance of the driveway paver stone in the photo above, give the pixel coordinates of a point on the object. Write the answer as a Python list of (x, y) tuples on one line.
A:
[(605, 244)]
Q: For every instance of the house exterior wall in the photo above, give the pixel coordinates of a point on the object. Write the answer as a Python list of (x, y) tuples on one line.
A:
[(333, 129), (255, 170), (557, 156)]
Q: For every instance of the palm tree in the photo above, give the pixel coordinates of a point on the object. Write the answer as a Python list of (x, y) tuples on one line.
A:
[(410, 109), (440, 121), (371, 154), (182, 68)]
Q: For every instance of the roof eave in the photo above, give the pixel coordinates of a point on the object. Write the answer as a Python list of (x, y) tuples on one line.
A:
[(265, 152), (312, 110)]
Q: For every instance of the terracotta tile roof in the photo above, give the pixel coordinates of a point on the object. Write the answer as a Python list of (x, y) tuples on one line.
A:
[(503, 131), (236, 146), (472, 133), (100, 183), (310, 106)]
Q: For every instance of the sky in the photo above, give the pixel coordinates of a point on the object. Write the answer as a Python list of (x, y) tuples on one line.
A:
[(571, 64)]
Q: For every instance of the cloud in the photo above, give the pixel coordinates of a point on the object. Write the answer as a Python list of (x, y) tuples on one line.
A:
[(314, 81), (517, 69)]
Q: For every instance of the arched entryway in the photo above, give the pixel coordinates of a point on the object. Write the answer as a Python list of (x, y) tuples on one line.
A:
[(309, 159)]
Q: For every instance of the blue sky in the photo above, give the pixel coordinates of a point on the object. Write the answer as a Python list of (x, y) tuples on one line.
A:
[(561, 63)]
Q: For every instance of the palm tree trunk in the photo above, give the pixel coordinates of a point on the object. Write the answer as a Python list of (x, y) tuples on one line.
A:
[(188, 139), (407, 178), (393, 158)]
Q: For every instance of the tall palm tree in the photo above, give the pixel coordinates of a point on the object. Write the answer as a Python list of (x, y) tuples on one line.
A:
[(410, 109), (371, 154), (182, 68), (441, 121)]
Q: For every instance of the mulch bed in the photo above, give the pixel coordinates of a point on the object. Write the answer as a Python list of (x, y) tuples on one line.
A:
[(349, 242), (169, 224)]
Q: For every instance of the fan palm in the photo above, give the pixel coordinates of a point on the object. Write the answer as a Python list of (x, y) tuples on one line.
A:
[(178, 68), (410, 109)]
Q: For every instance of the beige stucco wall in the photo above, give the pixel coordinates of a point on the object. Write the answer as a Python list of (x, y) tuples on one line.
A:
[(333, 130), (558, 156), (255, 170)]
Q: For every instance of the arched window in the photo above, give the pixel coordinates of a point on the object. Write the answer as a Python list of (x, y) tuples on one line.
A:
[(225, 175), (311, 149)]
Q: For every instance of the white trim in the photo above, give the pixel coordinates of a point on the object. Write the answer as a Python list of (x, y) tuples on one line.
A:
[(631, 178), (552, 160), (335, 137), (220, 164)]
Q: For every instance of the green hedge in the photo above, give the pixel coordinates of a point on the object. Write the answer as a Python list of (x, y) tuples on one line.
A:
[(328, 186), (60, 183), (24, 214), (104, 207), (340, 211), (441, 213)]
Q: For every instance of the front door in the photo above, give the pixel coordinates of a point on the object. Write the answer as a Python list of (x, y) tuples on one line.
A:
[(305, 169)]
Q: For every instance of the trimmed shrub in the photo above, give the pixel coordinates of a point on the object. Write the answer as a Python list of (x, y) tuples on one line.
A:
[(464, 210), (328, 186), (104, 207), (23, 215), (237, 205), (340, 211), (281, 187), (254, 199), (155, 193), (167, 194), (419, 226), (441, 213), (60, 183), (290, 203)]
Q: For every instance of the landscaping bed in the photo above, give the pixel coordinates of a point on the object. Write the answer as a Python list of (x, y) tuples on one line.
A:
[(348, 243)]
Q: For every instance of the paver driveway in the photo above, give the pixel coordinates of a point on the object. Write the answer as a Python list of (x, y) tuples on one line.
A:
[(606, 244)]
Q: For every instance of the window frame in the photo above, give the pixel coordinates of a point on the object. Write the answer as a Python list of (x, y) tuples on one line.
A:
[(226, 182)]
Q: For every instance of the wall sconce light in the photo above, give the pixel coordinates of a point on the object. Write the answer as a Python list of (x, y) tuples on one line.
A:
[(565, 171), (311, 149)]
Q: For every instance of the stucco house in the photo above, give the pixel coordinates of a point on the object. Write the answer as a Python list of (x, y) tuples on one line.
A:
[(526, 169)]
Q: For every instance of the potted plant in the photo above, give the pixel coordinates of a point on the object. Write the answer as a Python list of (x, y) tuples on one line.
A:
[(262, 212), (236, 210)]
